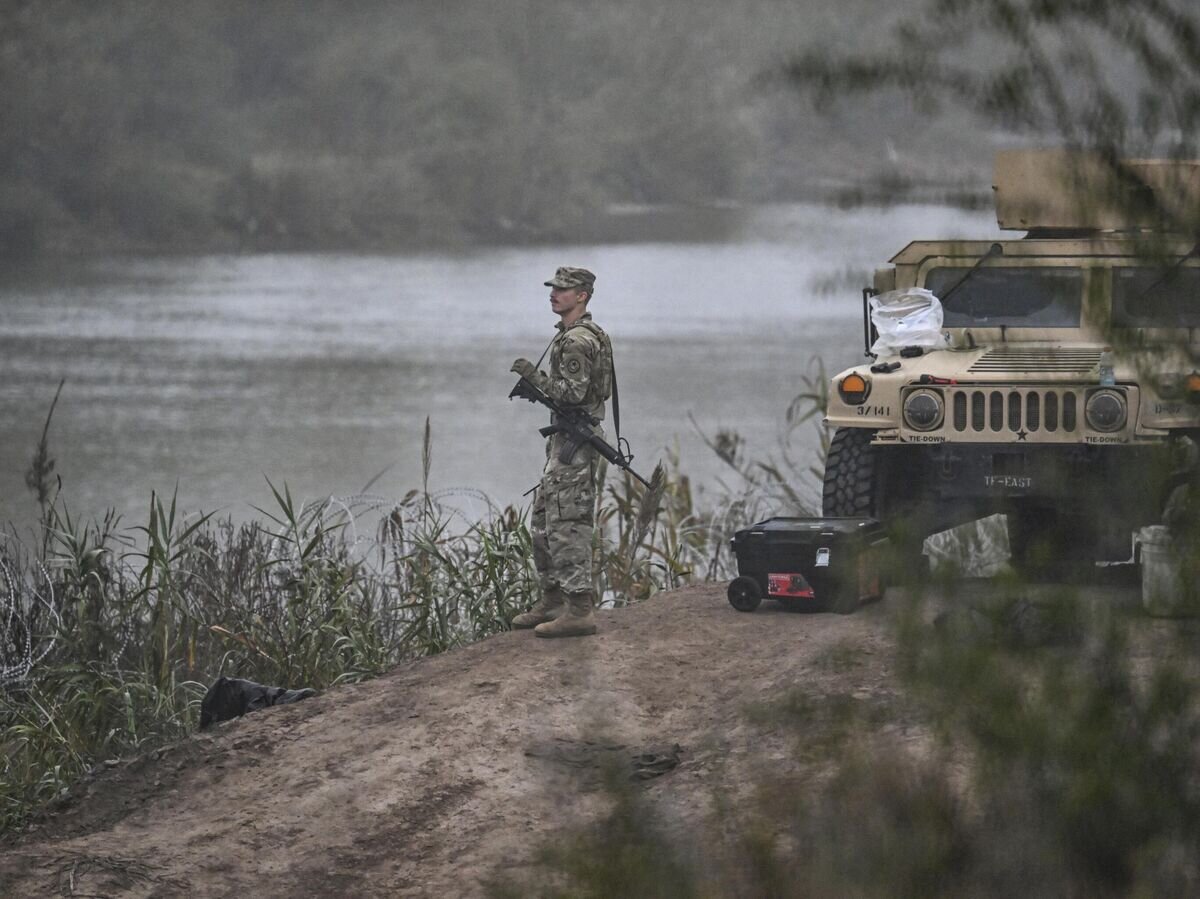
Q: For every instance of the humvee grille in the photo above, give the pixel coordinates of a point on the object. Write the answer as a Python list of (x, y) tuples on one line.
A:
[(1013, 411), (1014, 359)]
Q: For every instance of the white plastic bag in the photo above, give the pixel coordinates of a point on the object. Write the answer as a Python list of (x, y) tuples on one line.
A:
[(976, 549), (908, 317)]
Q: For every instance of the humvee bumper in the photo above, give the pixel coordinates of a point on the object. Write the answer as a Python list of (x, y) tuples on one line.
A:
[(1109, 475)]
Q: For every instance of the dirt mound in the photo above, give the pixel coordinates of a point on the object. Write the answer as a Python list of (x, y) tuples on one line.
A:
[(451, 770)]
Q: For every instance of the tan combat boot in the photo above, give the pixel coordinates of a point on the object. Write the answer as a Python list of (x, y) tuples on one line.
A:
[(578, 621), (550, 606)]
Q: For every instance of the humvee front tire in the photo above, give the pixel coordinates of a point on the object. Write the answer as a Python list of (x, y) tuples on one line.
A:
[(851, 468), (856, 485)]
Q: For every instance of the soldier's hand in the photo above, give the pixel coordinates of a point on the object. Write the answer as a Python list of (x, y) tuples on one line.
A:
[(524, 368)]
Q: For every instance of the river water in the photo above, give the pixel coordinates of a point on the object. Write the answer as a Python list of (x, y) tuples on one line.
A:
[(215, 373)]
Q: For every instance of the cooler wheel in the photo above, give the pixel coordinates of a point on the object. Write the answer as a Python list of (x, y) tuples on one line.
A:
[(744, 594)]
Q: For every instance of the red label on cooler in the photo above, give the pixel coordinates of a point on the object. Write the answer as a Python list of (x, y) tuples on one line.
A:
[(791, 585)]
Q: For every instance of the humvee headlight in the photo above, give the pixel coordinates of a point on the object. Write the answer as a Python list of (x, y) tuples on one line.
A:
[(1106, 410), (854, 389), (924, 410)]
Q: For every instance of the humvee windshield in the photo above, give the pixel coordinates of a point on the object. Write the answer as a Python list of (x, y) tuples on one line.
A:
[(1013, 297), (1156, 297)]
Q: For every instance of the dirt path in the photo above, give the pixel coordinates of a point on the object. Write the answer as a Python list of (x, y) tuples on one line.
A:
[(433, 778)]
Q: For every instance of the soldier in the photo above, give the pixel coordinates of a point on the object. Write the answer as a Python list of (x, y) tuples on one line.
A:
[(564, 503)]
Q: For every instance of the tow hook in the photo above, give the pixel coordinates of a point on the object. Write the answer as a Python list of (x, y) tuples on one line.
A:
[(950, 465)]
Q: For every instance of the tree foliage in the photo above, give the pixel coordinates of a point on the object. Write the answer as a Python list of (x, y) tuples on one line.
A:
[(370, 124), (1119, 77)]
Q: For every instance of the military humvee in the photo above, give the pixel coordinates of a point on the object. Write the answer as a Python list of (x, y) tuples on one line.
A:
[(1068, 381)]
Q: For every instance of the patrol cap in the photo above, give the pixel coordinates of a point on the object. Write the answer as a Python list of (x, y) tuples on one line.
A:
[(567, 276)]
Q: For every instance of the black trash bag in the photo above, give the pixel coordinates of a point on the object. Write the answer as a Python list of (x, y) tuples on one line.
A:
[(232, 697)]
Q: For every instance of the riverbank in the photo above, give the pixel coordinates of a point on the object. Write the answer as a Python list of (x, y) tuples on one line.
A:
[(454, 771), (686, 750), (703, 221)]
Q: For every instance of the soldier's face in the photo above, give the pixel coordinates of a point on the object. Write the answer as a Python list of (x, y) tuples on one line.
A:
[(564, 300)]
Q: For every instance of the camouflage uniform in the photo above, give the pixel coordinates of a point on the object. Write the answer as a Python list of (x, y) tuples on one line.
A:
[(563, 520), (565, 502)]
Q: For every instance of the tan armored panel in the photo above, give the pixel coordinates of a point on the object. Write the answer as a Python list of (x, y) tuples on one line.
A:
[(1061, 189)]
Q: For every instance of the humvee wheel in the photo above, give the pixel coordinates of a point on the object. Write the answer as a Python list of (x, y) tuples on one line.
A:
[(850, 475), (855, 486)]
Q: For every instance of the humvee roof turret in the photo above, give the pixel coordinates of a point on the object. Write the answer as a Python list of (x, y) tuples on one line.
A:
[(1068, 376), (1058, 190)]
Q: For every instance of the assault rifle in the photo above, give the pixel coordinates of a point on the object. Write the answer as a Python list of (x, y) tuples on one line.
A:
[(579, 427)]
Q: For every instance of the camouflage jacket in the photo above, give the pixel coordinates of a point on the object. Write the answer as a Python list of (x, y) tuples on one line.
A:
[(580, 367)]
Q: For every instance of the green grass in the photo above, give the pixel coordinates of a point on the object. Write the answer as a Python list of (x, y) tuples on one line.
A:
[(112, 635)]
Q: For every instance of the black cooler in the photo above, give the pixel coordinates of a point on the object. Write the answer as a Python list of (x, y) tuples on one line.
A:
[(816, 563)]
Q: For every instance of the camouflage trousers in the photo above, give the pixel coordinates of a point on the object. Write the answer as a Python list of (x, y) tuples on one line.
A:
[(563, 520)]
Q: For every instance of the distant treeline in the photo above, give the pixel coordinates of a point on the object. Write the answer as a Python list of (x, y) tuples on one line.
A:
[(321, 124)]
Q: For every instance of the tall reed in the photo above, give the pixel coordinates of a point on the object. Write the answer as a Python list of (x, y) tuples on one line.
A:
[(112, 633)]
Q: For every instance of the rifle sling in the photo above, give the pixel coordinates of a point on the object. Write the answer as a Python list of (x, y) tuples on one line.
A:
[(616, 403), (538, 364)]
